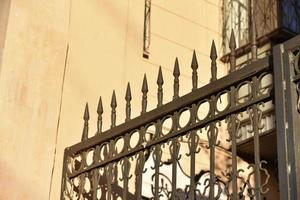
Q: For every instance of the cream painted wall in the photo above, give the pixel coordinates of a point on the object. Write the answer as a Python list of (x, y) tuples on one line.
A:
[(42, 106), (30, 93)]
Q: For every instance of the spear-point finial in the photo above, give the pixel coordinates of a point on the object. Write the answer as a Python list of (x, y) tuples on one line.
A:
[(160, 82), (128, 105), (232, 46), (100, 112), (232, 43), (144, 97), (160, 79), (113, 109), (100, 107), (86, 118), (213, 57), (194, 67), (145, 84), (86, 115), (176, 73), (194, 61)]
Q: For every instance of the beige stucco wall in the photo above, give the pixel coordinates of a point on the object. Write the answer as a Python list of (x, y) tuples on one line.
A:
[(43, 89), (30, 92)]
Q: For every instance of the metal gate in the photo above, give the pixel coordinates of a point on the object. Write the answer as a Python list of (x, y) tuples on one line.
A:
[(192, 147)]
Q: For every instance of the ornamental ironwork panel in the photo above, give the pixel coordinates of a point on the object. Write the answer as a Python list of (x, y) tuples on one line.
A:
[(184, 149)]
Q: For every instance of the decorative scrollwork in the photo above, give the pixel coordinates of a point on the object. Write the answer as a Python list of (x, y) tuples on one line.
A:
[(125, 168), (250, 188), (193, 143), (264, 190), (174, 149), (233, 122), (163, 189), (255, 116), (212, 134)]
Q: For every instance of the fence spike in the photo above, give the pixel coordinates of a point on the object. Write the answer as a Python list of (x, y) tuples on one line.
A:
[(194, 67), (100, 112), (113, 109), (86, 118), (144, 97), (128, 99), (176, 73), (213, 57), (160, 82), (232, 46)]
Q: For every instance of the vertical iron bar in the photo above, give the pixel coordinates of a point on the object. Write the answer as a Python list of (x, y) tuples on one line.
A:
[(109, 181), (174, 154), (157, 162), (113, 109), (176, 73), (256, 152), (255, 128), (64, 175), (193, 150), (81, 185), (126, 168), (139, 175), (144, 97), (281, 115), (194, 67), (287, 119), (95, 182), (211, 134), (233, 132), (160, 82), (192, 166), (212, 161)]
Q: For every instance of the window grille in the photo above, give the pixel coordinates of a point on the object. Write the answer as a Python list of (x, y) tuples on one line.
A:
[(147, 26), (236, 18)]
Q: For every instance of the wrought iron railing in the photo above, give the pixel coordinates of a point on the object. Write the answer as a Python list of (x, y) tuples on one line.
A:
[(195, 157)]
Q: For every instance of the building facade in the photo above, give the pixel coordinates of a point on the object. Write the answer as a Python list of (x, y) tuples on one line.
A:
[(57, 55)]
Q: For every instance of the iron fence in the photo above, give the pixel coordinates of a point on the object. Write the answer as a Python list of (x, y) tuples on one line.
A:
[(191, 147)]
